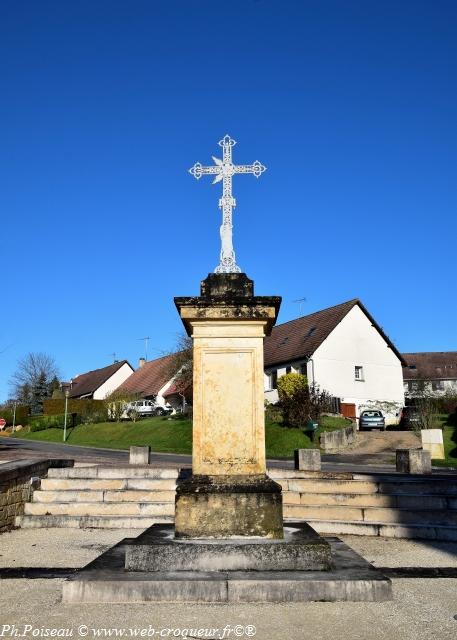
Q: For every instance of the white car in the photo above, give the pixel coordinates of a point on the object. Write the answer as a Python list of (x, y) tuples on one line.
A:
[(147, 408)]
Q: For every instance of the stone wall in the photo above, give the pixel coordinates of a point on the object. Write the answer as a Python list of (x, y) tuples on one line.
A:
[(332, 441), (15, 486)]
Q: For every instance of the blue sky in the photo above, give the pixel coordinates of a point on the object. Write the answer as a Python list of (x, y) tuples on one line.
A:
[(105, 105)]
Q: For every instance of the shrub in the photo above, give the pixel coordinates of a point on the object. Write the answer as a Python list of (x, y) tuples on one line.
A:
[(447, 403), (293, 394), (39, 423), (22, 414), (116, 403), (91, 411), (274, 413), (299, 401)]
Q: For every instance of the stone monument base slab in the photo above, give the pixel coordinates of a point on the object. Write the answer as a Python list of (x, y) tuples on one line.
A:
[(302, 549), (351, 578), (228, 506)]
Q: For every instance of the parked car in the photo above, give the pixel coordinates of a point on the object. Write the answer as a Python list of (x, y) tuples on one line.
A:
[(409, 417), (147, 408), (372, 419)]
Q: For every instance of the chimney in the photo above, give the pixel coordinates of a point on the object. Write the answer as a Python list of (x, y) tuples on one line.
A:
[(141, 362)]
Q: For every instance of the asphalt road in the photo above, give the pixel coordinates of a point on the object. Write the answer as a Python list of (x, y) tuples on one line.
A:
[(16, 448)]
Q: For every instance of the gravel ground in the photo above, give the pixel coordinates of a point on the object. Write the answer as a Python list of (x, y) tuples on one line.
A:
[(421, 609), (371, 442), (56, 547)]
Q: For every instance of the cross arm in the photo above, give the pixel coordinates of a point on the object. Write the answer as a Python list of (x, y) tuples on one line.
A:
[(198, 170), (256, 168)]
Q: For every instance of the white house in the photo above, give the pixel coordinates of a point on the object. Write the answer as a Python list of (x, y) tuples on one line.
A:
[(435, 372), (345, 352), (99, 383)]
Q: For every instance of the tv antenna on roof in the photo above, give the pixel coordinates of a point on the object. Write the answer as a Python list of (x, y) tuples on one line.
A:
[(146, 342), (113, 355), (301, 301)]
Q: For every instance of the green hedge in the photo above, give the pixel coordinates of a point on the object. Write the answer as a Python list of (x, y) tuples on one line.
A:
[(89, 410), (40, 423), (22, 414)]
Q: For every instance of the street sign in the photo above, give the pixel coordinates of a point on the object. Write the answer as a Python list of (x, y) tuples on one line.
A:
[(2, 423)]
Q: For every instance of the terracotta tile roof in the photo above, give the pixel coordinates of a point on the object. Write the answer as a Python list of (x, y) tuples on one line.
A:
[(301, 337), (430, 365), (87, 383), (150, 378), (171, 390)]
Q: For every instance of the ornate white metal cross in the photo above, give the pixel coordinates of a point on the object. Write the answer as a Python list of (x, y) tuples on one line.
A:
[(224, 170)]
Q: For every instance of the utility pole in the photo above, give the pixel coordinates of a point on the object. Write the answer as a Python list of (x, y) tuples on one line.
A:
[(14, 415), (67, 393)]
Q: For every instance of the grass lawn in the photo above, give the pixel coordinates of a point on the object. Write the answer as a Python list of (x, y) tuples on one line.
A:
[(450, 448), (175, 436)]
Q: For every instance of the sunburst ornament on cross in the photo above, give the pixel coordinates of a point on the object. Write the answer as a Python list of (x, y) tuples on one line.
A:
[(224, 170)]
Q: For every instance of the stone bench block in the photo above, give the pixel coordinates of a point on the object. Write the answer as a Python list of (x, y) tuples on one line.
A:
[(432, 440), (139, 455), (307, 459), (415, 461)]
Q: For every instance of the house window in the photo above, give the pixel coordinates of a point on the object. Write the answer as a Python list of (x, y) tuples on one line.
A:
[(358, 373), (437, 385), (303, 369), (273, 379), (288, 369)]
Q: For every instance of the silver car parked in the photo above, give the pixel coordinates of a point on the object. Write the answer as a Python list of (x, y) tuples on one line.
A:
[(372, 419)]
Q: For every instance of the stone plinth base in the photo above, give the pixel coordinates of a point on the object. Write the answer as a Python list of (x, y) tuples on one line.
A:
[(228, 507), (351, 578), (302, 549), (139, 455), (307, 459), (415, 461), (432, 440)]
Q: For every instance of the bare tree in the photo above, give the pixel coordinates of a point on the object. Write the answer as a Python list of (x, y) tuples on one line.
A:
[(180, 365), (33, 378), (117, 405), (426, 403)]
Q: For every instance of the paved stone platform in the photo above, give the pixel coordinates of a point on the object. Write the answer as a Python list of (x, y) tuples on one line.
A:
[(105, 580), (157, 549)]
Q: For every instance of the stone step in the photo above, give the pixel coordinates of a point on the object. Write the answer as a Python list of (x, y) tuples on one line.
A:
[(104, 496), (90, 522), (122, 472), (386, 530), (370, 514), (308, 485), (67, 496), (333, 486), (105, 484), (400, 501), (100, 508), (286, 474), (427, 487)]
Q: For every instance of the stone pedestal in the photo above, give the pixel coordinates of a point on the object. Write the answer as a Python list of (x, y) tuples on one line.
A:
[(139, 455), (229, 493), (432, 440), (307, 459), (228, 506), (415, 461), (302, 549)]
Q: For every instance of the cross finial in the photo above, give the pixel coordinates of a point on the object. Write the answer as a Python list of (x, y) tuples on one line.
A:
[(224, 170)]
